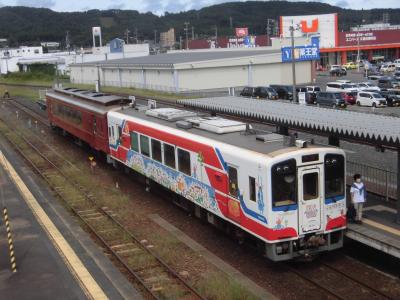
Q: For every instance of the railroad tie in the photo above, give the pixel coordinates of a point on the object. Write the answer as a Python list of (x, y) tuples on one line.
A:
[(10, 241)]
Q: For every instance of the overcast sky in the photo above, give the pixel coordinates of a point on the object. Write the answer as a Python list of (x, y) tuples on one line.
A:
[(161, 6)]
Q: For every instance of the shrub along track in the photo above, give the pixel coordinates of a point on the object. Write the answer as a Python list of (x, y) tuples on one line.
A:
[(331, 282)]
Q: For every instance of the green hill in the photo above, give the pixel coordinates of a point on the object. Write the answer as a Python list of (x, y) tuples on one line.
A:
[(29, 26)]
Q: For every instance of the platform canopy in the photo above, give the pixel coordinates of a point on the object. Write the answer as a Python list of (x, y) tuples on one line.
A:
[(372, 128)]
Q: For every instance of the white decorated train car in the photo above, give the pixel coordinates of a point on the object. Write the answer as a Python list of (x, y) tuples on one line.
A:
[(287, 193)]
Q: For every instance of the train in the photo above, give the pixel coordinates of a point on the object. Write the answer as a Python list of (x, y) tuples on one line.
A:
[(288, 194)]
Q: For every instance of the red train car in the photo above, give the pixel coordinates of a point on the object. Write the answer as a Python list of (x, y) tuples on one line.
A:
[(83, 114)]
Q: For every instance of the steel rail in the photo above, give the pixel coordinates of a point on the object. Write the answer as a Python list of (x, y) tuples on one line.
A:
[(168, 269)]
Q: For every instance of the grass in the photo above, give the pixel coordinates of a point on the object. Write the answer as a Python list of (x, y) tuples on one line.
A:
[(219, 287), (28, 78), (20, 91)]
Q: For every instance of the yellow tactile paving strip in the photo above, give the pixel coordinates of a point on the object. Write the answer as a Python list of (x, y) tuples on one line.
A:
[(382, 227), (90, 287)]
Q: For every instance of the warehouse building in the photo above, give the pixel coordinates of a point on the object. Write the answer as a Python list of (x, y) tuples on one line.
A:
[(197, 70)]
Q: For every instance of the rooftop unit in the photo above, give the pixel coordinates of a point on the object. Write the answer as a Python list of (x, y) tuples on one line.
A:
[(187, 119)]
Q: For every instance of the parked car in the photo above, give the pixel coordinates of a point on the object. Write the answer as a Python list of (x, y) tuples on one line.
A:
[(392, 97), (374, 77), (397, 63), (350, 66), (349, 98), (386, 68), (367, 85), (265, 92), (284, 91), (313, 90), (338, 72), (247, 91), (373, 99), (331, 99), (388, 83), (396, 75), (340, 87)]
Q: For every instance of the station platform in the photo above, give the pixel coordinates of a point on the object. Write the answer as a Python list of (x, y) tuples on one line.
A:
[(55, 258), (379, 229)]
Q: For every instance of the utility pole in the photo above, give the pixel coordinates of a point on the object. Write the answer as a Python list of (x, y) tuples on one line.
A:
[(216, 36), (192, 33), (292, 29), (136, 35), (180, 42), (155, 36), (127, 35), (358, 48), (67, 42), (186, 32), (231, 22)]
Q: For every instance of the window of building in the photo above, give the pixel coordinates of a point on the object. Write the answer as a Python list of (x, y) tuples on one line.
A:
[(184, 161), (134, 141), (169, 156), (144, 145), (252, 189), (233, 181), (156, 150)]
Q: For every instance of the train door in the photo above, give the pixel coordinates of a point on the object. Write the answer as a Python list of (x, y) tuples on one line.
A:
[(310, 199)]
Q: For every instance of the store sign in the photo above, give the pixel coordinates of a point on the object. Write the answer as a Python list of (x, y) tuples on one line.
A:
[(306, 29), (372, 37), (302, 53), (325, 25), (241, 32)]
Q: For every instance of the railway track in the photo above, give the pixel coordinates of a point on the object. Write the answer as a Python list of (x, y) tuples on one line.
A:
[(323, 277), (137, 257), (337, 283)]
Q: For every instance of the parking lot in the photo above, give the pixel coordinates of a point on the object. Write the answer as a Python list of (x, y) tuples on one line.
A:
[(323, 78)]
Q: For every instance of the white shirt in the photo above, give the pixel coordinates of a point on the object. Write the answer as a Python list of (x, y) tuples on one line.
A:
[(358, 192)]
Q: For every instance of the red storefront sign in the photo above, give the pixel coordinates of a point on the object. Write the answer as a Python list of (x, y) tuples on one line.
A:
[(371, 37), (241, 32)]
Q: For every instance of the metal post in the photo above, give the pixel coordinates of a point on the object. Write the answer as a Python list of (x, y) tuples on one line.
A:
[(187, 33), (293, 64), (398, 186), (98, 78), (358, 48)]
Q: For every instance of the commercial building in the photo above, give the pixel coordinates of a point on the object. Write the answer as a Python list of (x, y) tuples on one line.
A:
[(167, 39), (15, 60), (210, 69), (367, 41)]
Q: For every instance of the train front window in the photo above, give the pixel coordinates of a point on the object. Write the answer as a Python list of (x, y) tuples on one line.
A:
[(283, 180), (310, 186), (334, 175)]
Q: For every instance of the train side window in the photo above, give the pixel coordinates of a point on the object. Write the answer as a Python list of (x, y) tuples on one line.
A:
[(233, 181), (134, 141), (144, 145), (252, 189), (156, 150), (169, 156), (184, 161)]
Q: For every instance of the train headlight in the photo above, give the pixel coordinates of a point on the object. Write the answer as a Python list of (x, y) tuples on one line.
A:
[(289, 178)]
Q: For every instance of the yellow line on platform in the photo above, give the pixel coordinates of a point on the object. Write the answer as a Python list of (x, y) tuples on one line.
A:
[(382, 227), (89, 286)]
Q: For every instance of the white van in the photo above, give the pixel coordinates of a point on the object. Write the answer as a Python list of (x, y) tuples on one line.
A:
[(340, 87)]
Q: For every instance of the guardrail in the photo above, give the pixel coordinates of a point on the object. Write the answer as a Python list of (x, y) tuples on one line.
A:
[(378, 181)]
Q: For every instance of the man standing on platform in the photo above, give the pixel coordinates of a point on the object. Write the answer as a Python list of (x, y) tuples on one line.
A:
[(358, 196)]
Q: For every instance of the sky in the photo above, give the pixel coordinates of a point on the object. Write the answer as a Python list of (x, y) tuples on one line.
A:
[(161, 6)]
